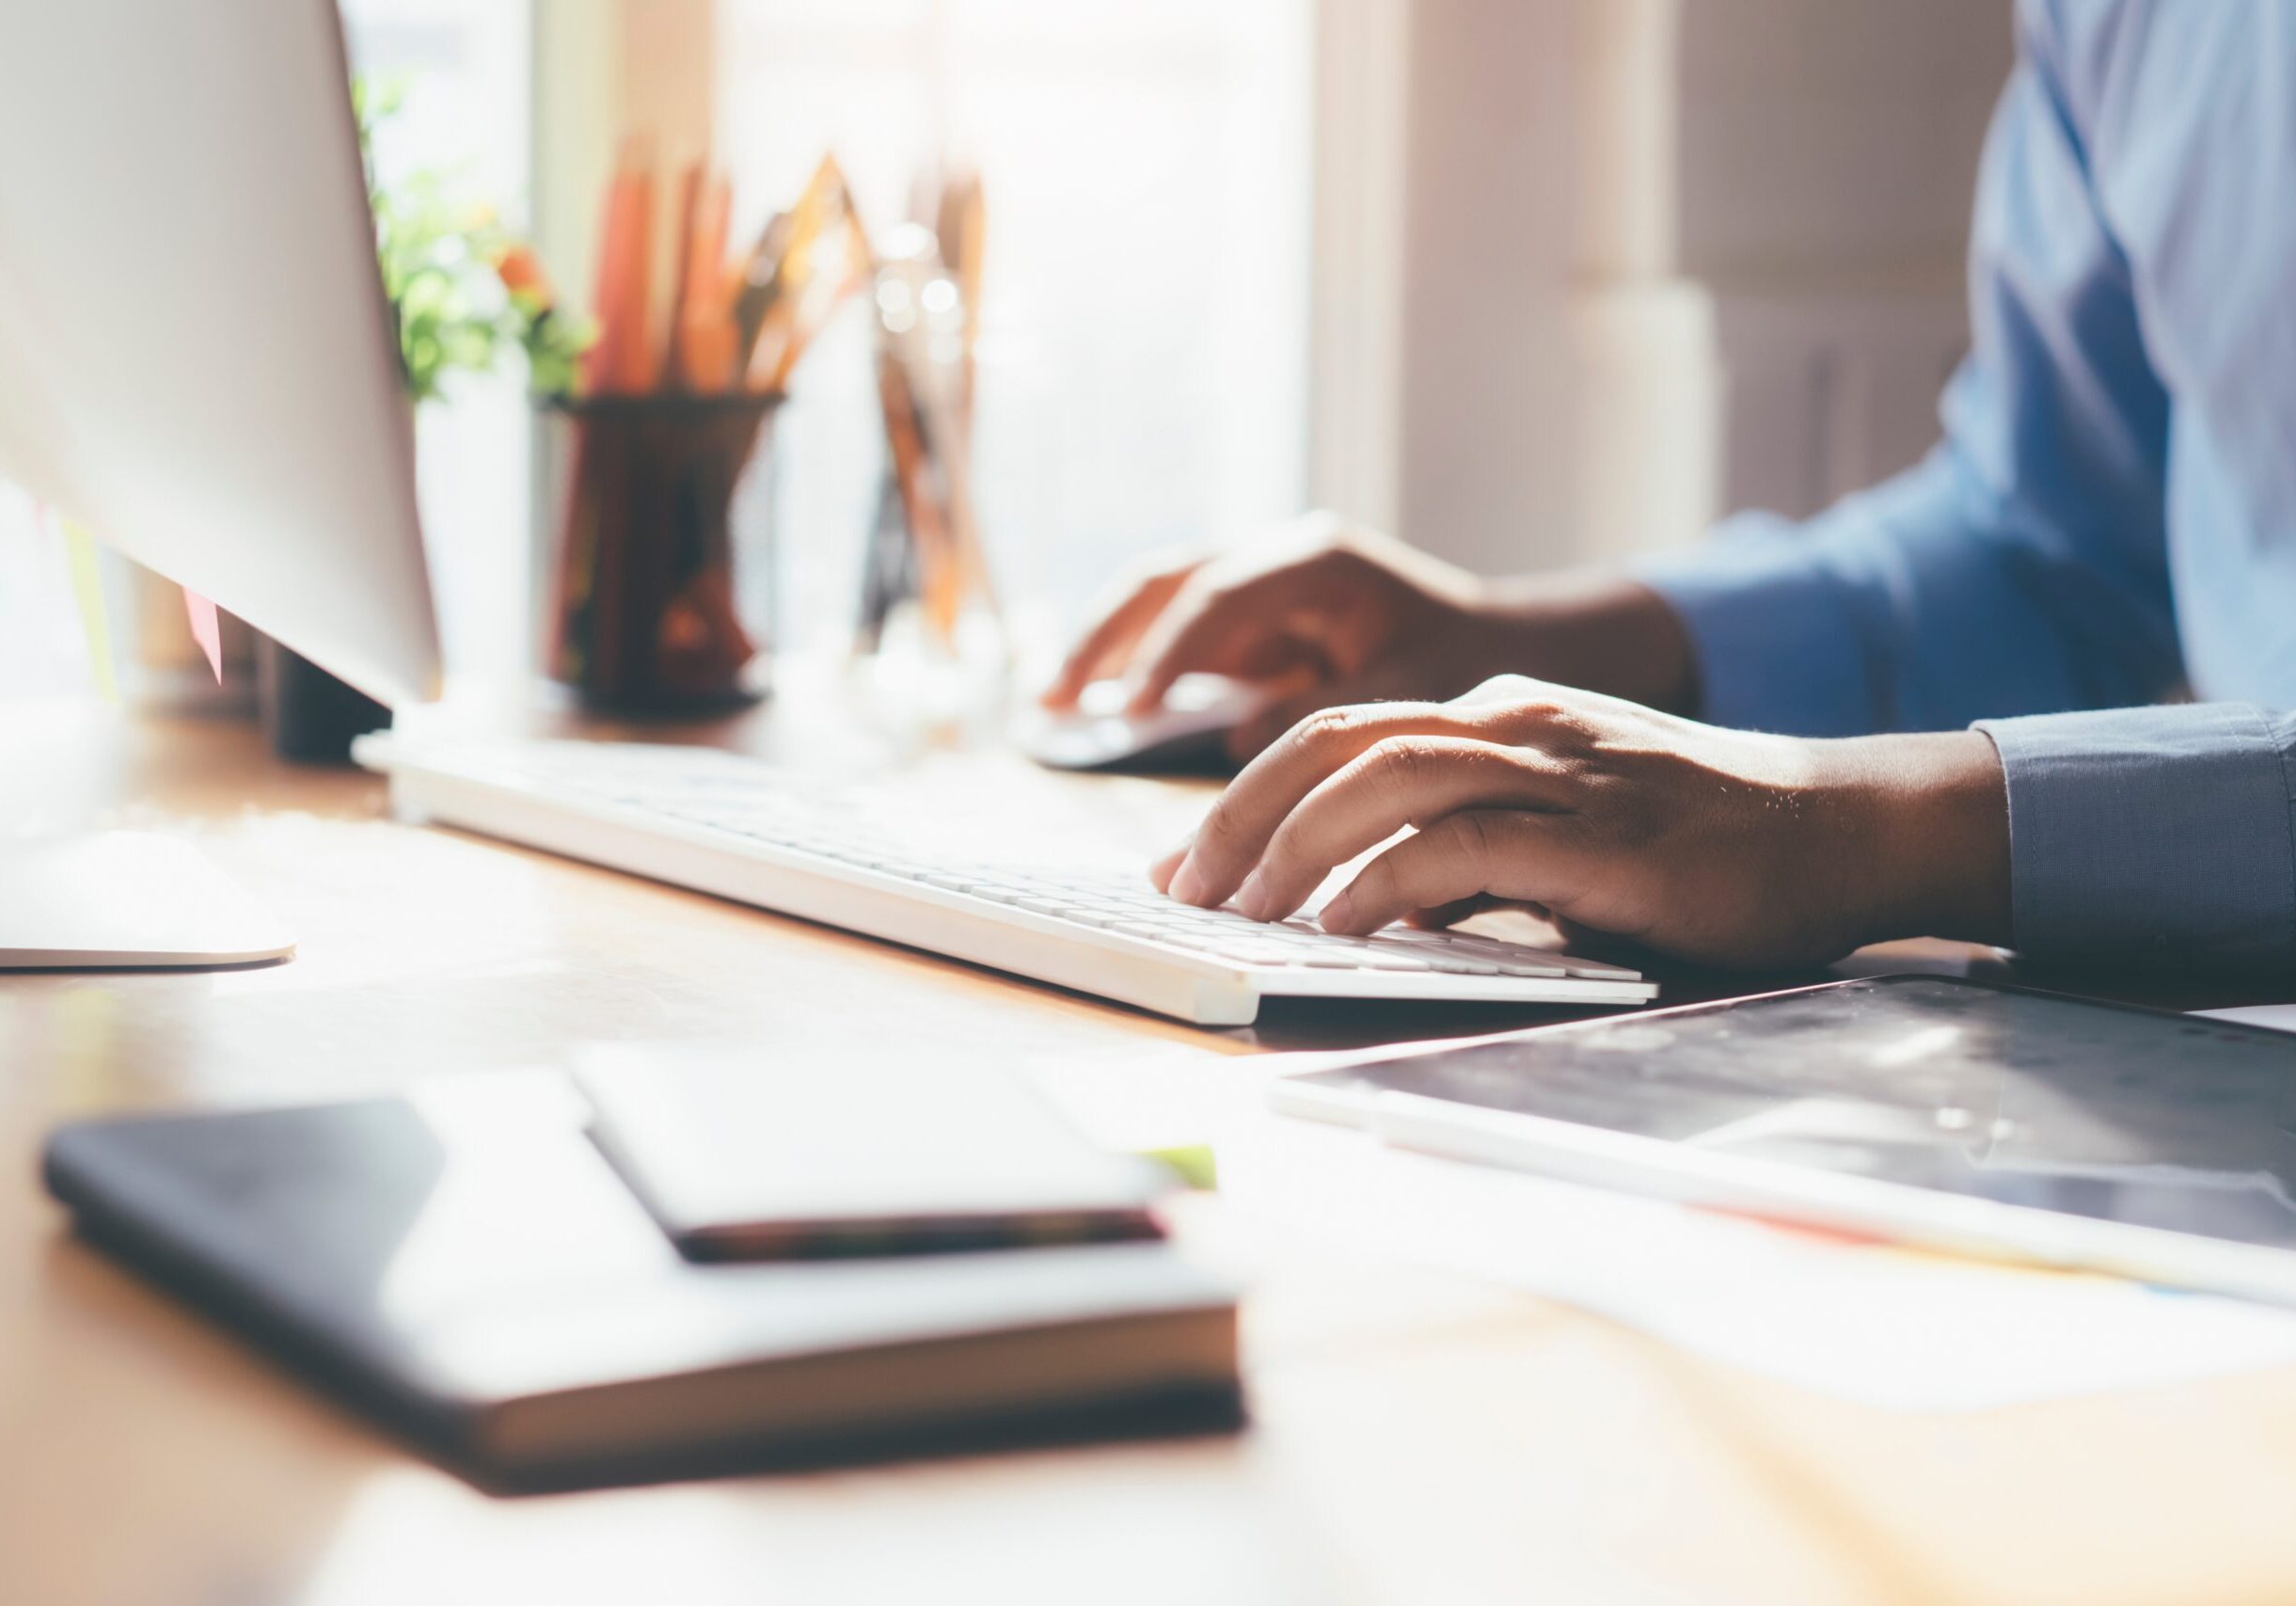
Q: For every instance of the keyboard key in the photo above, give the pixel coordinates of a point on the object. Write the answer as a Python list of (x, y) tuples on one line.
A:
[(1446, 964), (1586, 970), (1252, 954), (1371, 959)]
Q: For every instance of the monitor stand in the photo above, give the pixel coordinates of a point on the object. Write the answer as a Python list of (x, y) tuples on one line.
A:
[(126, 899)]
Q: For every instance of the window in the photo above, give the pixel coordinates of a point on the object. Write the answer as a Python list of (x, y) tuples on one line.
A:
[(468, 107), (1144, 364), (41, 649), (1144, 349), (469, 110)]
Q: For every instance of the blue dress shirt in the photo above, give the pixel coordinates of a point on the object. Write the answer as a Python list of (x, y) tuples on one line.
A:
[(2111, 518)]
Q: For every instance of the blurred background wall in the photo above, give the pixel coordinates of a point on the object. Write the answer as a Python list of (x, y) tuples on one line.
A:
[(1663, 258), (1527, 280)]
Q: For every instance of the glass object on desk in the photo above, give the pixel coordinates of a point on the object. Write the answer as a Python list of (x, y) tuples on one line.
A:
[(931, 630), (1143, 359), (663, 597)]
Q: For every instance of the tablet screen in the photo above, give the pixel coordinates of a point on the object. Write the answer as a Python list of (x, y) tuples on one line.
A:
[(2121, 1115)]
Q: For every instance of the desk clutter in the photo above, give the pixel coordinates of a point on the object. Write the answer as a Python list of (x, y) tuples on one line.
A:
[(466, 1266), (661, 602), (1988, 1194)]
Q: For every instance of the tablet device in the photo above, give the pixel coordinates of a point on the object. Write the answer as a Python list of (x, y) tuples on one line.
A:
[(1967, 1115)]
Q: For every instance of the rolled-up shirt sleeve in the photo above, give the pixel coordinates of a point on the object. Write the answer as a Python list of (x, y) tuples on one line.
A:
[(2143, 833)]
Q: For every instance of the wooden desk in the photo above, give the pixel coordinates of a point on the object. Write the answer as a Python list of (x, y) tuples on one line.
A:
[(1418, 1438)]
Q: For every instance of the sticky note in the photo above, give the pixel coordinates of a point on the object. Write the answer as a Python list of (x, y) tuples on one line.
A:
[(1192, 1162), (88, 590), (206, 630)]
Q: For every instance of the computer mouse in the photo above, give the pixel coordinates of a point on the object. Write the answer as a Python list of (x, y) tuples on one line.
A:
[(1186, 735)]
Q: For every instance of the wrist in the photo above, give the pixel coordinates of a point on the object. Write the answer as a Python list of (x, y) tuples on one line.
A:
[(1595, 630), (1930, 818)]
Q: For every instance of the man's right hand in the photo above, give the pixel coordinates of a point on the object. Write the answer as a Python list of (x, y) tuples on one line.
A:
[(1326, 615)]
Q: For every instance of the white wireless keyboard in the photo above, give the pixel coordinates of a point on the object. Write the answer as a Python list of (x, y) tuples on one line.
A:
[(863, 858)]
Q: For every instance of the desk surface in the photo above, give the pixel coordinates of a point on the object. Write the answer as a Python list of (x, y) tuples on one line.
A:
[(1417, 1437)]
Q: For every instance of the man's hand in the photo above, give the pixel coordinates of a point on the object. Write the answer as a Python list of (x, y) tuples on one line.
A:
[(1324, 614), (1717, 845)]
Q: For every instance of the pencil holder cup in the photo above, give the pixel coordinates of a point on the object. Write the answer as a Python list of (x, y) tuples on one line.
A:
[(662, 600)]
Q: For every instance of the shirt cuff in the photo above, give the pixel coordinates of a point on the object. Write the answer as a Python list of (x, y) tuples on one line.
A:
[(2163, 835), (1775, 641)]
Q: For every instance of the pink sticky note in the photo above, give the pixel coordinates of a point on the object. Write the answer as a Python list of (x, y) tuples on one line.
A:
[(205, 630)]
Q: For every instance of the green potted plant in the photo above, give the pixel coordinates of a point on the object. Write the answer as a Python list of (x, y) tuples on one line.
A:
[(461, 288)]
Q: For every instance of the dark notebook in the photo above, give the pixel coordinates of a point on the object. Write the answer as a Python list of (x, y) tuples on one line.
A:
[(465, 1264)]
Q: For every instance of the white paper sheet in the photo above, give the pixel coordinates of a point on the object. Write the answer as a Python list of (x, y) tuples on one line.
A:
[(1894, 1326), (2280, 1017)]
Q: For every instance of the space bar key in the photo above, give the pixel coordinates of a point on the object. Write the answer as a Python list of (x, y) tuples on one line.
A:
[(1368, 958)]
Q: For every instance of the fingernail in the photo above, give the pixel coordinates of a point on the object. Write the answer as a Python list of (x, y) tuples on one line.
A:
[(1160, 873), (1340, 912), (1187, 882), (1251, 897)]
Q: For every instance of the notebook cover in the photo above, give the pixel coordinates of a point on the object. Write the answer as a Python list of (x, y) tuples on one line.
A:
[(447, 1258)]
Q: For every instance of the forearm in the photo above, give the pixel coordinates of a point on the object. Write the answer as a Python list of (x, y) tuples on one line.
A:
[(1596, 629)]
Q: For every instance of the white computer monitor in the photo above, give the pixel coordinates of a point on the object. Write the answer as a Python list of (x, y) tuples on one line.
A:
[(196, 363), (196, 359)]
